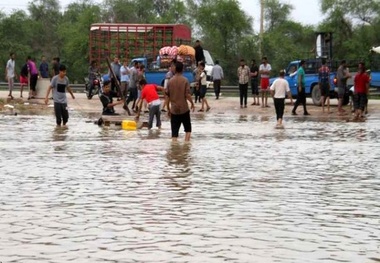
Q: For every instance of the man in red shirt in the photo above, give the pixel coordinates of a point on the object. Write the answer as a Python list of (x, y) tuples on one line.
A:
[(149, 93), (361, 84)]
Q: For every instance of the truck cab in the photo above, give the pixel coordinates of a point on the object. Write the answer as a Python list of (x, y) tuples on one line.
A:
[(154, 74), (311, 79)]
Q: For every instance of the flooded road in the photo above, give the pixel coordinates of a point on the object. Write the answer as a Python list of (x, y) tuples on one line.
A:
[(241, 191)]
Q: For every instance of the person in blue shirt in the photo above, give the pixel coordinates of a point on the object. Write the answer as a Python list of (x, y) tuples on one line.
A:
[(44, 68), (301, 97)]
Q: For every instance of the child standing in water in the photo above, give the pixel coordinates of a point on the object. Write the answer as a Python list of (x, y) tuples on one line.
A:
[(203, 86), (59, 84)]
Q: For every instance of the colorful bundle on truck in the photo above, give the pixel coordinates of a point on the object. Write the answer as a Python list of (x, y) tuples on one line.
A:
[(183, 53)]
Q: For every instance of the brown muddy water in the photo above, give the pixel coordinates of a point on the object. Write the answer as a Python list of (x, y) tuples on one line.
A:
[(241, 191)]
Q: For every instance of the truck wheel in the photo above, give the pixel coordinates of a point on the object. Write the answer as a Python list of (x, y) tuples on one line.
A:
[(316, 95)]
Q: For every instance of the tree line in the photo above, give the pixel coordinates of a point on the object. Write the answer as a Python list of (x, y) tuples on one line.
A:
[(224, 28)]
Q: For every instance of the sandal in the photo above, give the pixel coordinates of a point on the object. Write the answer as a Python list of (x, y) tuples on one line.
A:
[(209, 108), (201, 110)]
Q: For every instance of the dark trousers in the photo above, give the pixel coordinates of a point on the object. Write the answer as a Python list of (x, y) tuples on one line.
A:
[(301, 99), (197, 94), (113, 84), (243, 89), (33, 82), (132, 95), (279, 105), (154, 111), (61, 113), (217, 87)]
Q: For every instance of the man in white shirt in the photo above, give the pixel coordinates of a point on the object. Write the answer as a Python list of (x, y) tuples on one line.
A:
[(279, 89), (10, 73), (217, 76), (264, 70)]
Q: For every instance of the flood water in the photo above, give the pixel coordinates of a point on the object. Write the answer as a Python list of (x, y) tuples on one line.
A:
[(241, 191)]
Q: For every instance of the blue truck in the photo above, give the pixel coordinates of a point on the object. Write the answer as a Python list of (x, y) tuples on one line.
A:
[(311, 78), (156, 75)]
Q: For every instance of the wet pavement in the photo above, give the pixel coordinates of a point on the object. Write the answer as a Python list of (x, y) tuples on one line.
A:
[(240, 191)]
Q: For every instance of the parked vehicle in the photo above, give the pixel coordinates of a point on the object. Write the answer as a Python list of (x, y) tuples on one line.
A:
[(311, 79), (142, 42), (324, 50), (94, 87), (155, 73)]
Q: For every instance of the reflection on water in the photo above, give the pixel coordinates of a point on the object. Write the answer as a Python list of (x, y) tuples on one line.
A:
[(178, 175), (178, 154), (240, 191), (60, 135)]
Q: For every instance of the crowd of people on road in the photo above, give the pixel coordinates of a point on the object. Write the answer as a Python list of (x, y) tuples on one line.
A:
[(29, 73), (128, 84)]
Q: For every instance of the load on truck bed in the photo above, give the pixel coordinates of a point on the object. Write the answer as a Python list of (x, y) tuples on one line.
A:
[(156, 69)]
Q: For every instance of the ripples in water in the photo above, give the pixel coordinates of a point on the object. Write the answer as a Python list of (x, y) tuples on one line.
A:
[(241, 191)]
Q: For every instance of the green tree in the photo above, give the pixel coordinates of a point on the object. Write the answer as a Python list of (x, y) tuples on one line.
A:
[(365, 11), (15, 35), (354, 25), (45, 16), (74, 30), (285, 40), (129, 11), (276, 13), (223, 25), (171, 12)]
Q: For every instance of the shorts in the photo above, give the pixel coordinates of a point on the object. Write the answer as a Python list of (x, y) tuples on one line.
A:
[(202, 91), (360, 101), (341, 92), (254, 86), (264, 84), (325, 90), (23, 80), (177, 119)]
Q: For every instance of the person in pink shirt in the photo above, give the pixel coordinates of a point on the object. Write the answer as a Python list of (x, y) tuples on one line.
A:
[(33, 77)]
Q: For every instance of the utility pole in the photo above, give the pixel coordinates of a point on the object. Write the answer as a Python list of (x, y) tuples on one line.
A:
[(261, 35)]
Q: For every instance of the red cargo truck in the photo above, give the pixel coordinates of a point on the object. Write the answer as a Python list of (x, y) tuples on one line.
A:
[(138, 42), (134, 40)]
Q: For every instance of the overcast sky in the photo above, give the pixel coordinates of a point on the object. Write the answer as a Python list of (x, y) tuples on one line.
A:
[(305, 11)]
